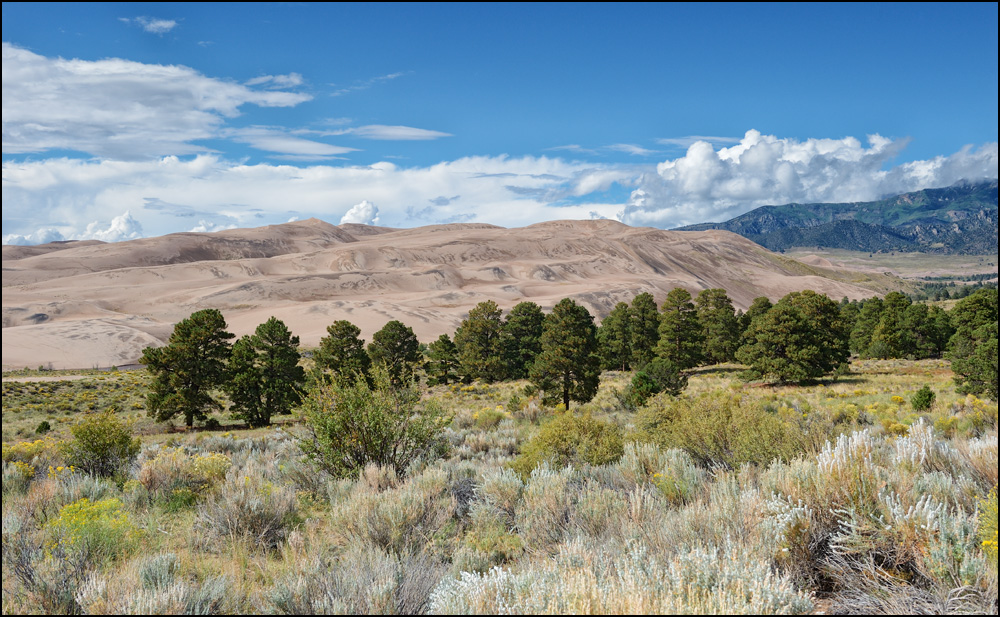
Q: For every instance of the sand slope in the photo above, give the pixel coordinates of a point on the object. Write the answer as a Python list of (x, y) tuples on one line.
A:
[(79, 305)]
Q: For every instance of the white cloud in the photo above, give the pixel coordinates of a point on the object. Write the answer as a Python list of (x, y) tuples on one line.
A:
[(364, 213), (156, 26), (395, 133), (204, 226), (276, 140), (169, 194), (292, 80), (42, 236), (122, 227), (117, 108), (631, 149), (365, 84), (686, 141), (714, 185), (152, 25)]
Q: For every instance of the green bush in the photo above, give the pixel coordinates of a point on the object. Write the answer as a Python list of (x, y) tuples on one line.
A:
[(43, 427), (923, 399), (353, 424), (100, 528), (102, 445), (571, 440), (719, 429)]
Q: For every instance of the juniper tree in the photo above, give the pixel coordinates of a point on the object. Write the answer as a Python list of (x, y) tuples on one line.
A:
[(442, 366)]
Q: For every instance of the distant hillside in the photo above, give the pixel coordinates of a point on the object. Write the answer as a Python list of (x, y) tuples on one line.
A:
[(960, 219)]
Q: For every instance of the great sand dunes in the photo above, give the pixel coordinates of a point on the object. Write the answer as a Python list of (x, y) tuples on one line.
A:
[(90, 304)]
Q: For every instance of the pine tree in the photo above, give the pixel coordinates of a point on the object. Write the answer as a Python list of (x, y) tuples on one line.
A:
[(479, 343), (568, 368), (864, 326), (798, 339), (342, 351), (719, 325), (973, 348), (681, 340), (522, 338), (442, 366), (396, 347), (188, 368), (645, 329), (614, 339), (264, 376), (891, 339)]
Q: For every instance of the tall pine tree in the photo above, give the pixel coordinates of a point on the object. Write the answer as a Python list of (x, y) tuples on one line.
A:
[(264, 376), (568, 368), (681, 340)]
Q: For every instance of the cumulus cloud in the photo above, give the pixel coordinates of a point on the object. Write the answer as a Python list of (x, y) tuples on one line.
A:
[(714, 185), (41, 236), (122, 227), (117, 108), (364, 213)]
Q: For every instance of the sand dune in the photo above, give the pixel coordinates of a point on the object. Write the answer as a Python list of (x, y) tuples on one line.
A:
[(78, 305)]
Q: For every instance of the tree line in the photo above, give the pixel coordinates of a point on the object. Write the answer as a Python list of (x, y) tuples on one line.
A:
[(802, 337)]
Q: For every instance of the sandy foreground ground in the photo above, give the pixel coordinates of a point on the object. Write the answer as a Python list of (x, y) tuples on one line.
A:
[(80, 305)]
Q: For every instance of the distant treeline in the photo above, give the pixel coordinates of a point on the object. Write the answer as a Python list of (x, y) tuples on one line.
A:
[(952, 291), (802, 337)]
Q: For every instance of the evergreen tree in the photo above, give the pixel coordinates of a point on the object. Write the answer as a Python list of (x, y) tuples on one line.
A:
[(891, 339), (973, 348), (799, 339), (759, 306), (342, 351), (521, 337), (614, 339), (645, 329), (719, 326), (479, 345), (442, 366), (864, 326), (265, 378), (568, 368), (396, 347), (188, 368), (681, 340)]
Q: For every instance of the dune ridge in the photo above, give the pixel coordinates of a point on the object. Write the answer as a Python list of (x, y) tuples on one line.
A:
[(85, 304)]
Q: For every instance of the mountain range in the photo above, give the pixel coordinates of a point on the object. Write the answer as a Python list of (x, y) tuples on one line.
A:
[(960, 219)]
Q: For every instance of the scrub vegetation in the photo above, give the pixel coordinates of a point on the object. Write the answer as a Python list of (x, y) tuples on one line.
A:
[(858, 474)]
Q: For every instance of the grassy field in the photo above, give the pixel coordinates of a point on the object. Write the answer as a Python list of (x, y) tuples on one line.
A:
[(905, 265), (881, 510)]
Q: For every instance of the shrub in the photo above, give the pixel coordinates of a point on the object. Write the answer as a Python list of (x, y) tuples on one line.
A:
[(100, 528), (720, 429), (577, 581), (363, 581), (571, 440), (988, 526), (43, 427), (173, 470), (248, 507), (923, 399), (102, 445)]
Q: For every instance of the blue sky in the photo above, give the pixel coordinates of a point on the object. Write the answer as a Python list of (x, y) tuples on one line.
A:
[(130, 119)]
